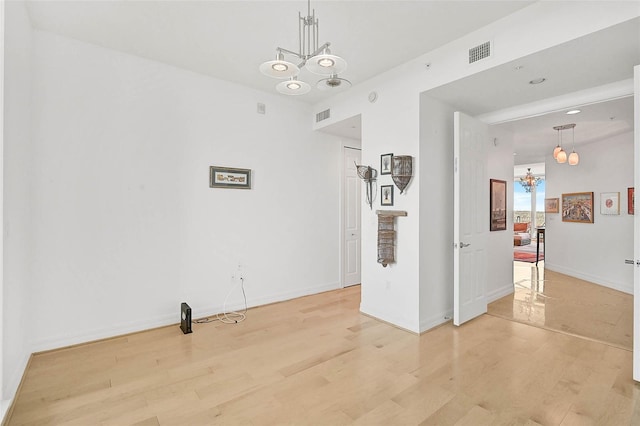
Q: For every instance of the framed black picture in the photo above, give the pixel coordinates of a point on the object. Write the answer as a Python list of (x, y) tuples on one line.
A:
[(386, 195), (226, 177), (498, 205), (386, 161)]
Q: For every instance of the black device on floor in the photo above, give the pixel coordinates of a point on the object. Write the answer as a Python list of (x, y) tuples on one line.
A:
[(185, 318)]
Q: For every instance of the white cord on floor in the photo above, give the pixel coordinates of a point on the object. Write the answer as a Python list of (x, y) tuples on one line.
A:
[(233, 317), (225, 317)]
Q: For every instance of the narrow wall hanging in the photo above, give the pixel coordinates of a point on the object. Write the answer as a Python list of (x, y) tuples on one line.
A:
[(387, 235), (402, 170), (368, 174)]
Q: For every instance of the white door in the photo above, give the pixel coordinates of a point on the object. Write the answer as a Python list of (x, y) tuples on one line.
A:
[(636, 227), (471, 218), (351, 218)]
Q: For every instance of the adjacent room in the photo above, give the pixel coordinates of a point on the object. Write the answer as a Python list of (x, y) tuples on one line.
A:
[(226, 213)]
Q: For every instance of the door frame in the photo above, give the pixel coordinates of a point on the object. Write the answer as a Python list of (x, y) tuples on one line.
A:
[(636, 225), (343, 213), (469, 265)]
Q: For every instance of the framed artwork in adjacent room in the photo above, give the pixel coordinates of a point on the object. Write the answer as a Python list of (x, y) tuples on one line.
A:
[(386, 195), (386, 161), (630, 200), (610, 203), (552, 205), (577, 207), (227, 177), (498, 205)]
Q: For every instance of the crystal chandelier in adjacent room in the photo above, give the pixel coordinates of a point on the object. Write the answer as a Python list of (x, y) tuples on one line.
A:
[(529, 180), (317, 59)]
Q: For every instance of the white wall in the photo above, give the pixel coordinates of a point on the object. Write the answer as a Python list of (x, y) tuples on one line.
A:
[(17, 177), (395, 117), (126, 226), (593, 252), (500, 243), (3, 404), (391, 293), (436, 222)]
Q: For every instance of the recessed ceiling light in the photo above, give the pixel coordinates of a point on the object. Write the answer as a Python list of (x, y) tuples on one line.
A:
[(538, 80), (574, 111)]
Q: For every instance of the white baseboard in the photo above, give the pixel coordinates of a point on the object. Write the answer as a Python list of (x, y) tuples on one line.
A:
[(390, 319), (4, 409), (202, 312), (623, 287), (435, 320), (500, 293), (61, 341), (12, 385)]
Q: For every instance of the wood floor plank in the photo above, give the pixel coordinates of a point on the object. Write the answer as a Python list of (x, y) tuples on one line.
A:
[(317, 360)]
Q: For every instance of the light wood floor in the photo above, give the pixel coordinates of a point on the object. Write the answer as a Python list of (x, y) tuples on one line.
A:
[(559, 302), (316, 360)]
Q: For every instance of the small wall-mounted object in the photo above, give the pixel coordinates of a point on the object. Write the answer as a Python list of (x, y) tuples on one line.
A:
[(402, 170), (227, 177), (368, 174), (387, 235)]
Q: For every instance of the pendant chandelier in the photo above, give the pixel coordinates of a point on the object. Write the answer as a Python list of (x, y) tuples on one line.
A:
[(317, 59), (559, 154), (529, 181)]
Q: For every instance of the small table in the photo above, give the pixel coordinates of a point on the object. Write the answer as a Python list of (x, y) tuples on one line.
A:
[(539, 235)]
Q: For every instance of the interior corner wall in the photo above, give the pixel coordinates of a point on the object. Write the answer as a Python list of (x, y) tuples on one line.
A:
[(17, 172), (394, 117), (436, 205), (593, 251), (125, 224), (500, 243), (391, 293), (436, 242)]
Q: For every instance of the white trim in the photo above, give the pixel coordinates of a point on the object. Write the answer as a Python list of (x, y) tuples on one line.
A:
[(5, 404), (390, 319), (61, 341), (3, 408), (343, 251), (500, 293), (623, 287), (607, 92), (636, 227), (435, 320)]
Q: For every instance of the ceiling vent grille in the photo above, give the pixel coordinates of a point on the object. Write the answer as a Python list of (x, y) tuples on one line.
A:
[(323, 115), (480, 52)]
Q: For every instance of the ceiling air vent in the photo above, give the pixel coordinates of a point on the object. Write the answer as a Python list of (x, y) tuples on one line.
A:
[(480, 52), (323, 115)]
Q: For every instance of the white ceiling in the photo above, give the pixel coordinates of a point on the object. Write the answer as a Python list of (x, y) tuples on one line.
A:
[(230, 39), (593, 61)]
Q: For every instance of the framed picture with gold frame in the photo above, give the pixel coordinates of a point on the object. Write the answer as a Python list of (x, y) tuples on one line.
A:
[(577, 207), (498, 205), (552, 205)]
